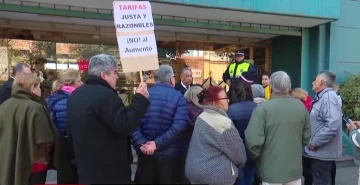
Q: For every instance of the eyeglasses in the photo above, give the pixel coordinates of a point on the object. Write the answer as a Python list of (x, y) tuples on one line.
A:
[(227, 99)]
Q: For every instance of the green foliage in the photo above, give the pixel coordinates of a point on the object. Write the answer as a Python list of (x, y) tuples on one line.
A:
[(15, 55), (43, 49), (350, 91)]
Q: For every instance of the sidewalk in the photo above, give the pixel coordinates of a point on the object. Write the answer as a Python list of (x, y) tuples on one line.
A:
[(346, 174)]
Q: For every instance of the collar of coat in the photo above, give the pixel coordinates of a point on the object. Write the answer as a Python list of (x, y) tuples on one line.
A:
[(211, 108), (97, 80), (322, 92), (20, 92)]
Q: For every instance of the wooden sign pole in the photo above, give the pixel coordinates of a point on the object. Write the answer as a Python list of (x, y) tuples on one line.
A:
[(141, 77)]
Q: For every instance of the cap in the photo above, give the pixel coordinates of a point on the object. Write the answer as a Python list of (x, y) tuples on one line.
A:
[(241, 53)]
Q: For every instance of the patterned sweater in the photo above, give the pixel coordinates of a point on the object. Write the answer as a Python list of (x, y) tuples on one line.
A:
[(216, 150)]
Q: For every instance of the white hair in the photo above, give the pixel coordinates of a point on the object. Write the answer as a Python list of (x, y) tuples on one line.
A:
[(101, 63), (280, 82), (329, 78), (164, 74)]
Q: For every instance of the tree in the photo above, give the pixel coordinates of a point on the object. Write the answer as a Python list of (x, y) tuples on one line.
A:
[(43, 49), (15, 55), (350, 92)]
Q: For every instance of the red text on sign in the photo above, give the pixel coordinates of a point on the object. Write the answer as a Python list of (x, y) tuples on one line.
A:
[(133, 7)]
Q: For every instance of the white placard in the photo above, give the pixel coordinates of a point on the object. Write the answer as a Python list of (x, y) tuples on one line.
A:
[(133, 16), (137, 45), (135, 35)]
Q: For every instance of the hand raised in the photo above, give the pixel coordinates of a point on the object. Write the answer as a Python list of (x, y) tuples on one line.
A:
[(142, 89)]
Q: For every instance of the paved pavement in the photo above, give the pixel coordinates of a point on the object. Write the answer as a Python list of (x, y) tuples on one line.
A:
[(347, 173)]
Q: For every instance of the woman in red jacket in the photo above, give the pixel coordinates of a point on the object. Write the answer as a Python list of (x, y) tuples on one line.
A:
[(302, 95)]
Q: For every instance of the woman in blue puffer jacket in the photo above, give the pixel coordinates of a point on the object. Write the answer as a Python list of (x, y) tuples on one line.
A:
[(67, 81)]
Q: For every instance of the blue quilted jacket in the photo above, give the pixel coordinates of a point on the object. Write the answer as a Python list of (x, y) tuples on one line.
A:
[(57, 106), (164, 121)]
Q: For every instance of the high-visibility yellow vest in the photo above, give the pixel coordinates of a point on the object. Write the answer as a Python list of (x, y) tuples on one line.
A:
[(243, 67)]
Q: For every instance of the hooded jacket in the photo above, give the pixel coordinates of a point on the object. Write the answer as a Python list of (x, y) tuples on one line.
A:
[(258, 93), (26, 137)]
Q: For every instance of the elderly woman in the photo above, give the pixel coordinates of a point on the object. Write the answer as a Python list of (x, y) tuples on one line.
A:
[(216, 150), (67, 81), (191, 96), (240, 110), (302, 95), (28, 138)]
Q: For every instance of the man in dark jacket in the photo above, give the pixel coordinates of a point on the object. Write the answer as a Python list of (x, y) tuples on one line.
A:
[(6, 88), (185, 82), (157, 140), (100, 125)]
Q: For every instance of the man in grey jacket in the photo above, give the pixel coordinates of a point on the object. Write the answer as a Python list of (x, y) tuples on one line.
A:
[(326, 118)]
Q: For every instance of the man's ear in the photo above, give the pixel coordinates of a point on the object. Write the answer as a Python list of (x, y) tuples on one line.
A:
[(102, 75)]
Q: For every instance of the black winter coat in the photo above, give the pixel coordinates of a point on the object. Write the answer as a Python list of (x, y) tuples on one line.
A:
[(99, 126), (5, 90)]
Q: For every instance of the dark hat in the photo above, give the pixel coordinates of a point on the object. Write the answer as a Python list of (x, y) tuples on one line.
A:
[(239, 53)]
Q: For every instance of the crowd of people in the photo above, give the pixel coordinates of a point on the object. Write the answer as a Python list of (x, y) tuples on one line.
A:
[(182, 133)]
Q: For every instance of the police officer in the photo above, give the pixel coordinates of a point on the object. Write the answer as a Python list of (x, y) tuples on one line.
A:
[(238, 67)]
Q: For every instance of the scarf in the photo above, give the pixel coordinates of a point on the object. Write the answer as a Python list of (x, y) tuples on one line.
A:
[(68, 89)]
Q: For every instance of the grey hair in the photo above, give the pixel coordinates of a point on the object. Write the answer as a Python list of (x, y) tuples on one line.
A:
[(191, 94), (18, 68), (329, 78), (185, 69), (280, 82), (164, 74), (101, 63)]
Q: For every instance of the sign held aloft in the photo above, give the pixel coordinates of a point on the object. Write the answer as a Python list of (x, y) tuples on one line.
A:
[(135, 35)]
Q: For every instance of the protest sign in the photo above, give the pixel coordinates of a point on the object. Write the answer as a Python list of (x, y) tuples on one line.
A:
[(135, 35)]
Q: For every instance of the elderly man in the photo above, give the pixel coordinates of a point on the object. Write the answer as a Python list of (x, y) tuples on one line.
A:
[(157, 138), (100, 125), (277, 132), (6, 88), (185, 81), (326, 123)]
